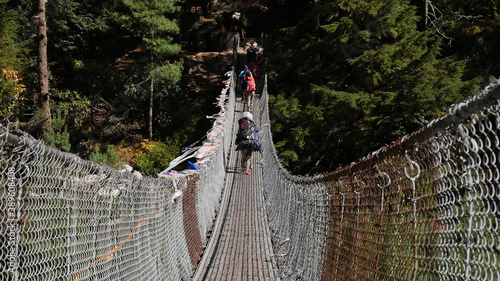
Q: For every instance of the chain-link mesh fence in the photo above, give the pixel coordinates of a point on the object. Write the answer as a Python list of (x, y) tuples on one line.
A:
[(68, 219), (297, 209), (65, 218), (423, 208)]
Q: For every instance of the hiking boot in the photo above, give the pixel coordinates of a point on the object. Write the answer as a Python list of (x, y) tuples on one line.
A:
[(246, 171)]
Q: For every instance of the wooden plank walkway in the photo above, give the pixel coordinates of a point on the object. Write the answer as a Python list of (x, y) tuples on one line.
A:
[(240, 246)]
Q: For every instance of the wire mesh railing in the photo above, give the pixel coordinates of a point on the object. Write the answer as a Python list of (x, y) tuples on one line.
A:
[(425, 207), (69, 219), (65, 218), (296, 207)]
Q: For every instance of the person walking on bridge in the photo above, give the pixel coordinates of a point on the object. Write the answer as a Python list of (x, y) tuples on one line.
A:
[(247, 140), (250, 94), (244, 74)]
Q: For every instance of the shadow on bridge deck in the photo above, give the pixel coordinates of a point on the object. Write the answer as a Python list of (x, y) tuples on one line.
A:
[(240, 247)]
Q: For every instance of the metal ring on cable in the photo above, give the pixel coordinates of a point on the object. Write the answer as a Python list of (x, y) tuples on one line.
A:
[(389, 181), (418, 171)]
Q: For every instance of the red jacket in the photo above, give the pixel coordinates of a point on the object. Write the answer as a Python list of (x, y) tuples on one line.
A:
[(254, 68)]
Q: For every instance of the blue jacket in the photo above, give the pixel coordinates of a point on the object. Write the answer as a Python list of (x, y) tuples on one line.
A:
[(243, 73)]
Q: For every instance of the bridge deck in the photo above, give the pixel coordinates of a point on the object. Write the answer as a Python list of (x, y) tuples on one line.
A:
[(240, 248)]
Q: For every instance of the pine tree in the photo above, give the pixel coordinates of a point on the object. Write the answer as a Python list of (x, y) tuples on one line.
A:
[(366, 76), (147, 20)]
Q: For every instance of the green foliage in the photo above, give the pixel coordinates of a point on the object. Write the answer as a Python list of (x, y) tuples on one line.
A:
[(154, 24), (148, 20), (58, 140), (12, 47), (347, 76), (366, 75), (288, 157), (74, 104), (106, 154), (155, 156), (9, 93), (471, 30), (12, 52), (74, 25), (80, 34), (168, 73), (58, 137)]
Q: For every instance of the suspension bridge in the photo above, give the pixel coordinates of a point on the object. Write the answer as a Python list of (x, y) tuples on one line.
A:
[(425, 207)]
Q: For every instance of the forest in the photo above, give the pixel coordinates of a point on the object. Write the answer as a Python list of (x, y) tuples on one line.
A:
[(113, 81)]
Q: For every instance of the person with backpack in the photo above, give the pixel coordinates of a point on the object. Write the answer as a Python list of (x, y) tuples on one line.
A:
[(251, 55), (254, 68), (242, 23), (244, 74), (247, 140), (250, 92)]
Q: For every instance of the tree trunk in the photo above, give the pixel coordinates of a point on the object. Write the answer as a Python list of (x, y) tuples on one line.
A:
[(43, 75), (150, 125), (426, 11)]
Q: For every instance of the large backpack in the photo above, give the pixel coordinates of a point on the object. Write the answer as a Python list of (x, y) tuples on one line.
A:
[(247, 136), (246, 73), (251, 84), (252, 66), (251, 56)]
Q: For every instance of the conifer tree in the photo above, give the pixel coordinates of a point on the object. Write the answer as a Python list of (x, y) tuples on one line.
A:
[(366, 76), (152, 21)]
